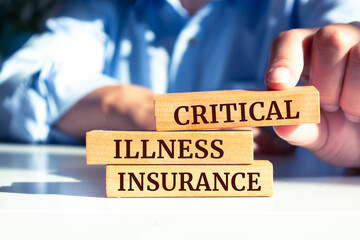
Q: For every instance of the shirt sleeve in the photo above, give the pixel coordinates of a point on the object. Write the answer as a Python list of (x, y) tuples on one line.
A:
[(318, 13), (57, 68)]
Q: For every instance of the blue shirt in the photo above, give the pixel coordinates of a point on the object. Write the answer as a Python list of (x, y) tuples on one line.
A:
[(153, 43)]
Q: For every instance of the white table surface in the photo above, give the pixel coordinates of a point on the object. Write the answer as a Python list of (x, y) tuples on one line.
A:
[(48, 192)]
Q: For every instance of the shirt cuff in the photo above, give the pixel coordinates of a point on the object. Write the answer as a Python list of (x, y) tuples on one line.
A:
[(45, 97)]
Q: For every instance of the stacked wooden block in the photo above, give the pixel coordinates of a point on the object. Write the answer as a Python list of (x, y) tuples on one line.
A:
[(208, 163)]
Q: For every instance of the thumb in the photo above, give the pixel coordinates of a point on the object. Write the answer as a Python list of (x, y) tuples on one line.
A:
[(310, 136), (289, 56), (289, 53)]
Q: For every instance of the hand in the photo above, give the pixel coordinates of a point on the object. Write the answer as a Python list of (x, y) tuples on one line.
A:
[(128, 107), (329, 59), (266, 141)]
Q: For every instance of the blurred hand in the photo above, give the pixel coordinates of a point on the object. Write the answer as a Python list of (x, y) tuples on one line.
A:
[(128, 107), (329, 59), (266, 141)]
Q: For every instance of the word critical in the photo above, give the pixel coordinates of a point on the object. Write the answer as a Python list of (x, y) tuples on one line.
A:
[(236, 108), (242, 113)]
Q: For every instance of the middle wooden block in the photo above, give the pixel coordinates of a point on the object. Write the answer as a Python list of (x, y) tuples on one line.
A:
[(195, 147)]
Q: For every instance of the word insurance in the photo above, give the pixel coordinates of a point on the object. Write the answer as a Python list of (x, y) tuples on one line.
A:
[(236, 108), (190, 180), (195, 147)]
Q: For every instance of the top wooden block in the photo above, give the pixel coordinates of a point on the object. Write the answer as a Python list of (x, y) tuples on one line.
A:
[(236, 108)]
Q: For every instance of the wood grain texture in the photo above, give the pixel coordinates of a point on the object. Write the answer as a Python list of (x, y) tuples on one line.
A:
[(190, 180), (196, 147), (236, 108)]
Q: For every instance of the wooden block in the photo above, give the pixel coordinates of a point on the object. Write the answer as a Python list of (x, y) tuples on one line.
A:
[(189, 180), (236, 108), (200, 147)]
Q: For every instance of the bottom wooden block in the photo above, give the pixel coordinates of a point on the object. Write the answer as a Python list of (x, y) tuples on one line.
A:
[(189, 180)]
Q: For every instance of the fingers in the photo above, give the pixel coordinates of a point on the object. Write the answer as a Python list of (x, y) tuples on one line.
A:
[(329, 56), (310, 136), (266, 142), (142, 110), (289, 54), (350, 98), (144, 117)]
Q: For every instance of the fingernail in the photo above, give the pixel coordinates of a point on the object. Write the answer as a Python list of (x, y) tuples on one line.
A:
[(279, 75), (352, 118), (330, 108)]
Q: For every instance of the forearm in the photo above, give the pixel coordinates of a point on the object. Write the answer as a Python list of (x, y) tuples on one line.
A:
[(109, 107)]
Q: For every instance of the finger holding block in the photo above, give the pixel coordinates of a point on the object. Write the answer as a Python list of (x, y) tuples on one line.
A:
[(236, 108), (200, 147), (190, 181)]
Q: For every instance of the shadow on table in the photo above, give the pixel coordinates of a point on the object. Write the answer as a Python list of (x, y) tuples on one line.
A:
[(80, 189), (44, 168), (324, 181), (79, 179), (302, 164)]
